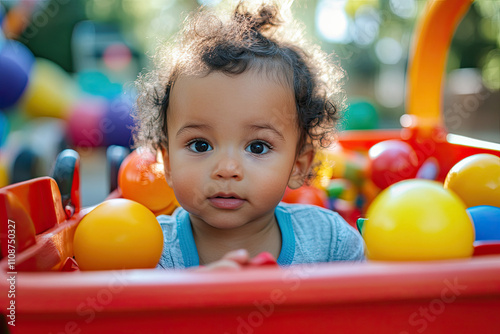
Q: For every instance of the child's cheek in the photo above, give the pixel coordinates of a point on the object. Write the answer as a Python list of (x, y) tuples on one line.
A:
[(188, 188)]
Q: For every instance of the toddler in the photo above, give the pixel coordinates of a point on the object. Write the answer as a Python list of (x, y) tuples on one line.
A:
[(237, 109)]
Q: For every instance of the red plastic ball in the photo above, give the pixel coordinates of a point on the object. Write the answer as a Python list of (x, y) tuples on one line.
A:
[(391, 161)]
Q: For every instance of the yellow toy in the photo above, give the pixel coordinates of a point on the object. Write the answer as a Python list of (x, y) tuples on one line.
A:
[(118, 234), (416, 220), (476, 180)]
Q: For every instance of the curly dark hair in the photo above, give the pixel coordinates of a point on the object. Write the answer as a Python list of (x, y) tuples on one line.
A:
[(247, 39)]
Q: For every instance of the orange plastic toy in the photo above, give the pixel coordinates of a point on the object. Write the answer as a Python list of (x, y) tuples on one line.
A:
[(118, 234), (141, 178)]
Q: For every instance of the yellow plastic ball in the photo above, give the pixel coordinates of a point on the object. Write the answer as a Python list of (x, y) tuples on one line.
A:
[(118, 234), (417, 220), (476, 180)]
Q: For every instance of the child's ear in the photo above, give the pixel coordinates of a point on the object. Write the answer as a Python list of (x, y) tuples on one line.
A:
[(301, 167), (166, 165)]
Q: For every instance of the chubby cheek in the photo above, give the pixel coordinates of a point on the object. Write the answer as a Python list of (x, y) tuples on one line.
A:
[(269, 186), (187, 185)]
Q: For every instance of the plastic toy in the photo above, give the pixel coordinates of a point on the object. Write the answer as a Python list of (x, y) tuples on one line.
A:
[(118, 234), (476, 179), (119, 119), (50, 92), (392, 161), (19, 53), (141, 178), (417, 220), (15, 67), (361, 115), (486, 219), (85, 122), (306, 195)]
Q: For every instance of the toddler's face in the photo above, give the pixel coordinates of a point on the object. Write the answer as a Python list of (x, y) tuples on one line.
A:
[(232, 146)]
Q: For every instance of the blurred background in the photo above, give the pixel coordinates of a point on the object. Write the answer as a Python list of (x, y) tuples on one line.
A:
[(67, 69)]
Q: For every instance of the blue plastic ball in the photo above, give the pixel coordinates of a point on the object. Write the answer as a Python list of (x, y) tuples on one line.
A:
[(486, 220)]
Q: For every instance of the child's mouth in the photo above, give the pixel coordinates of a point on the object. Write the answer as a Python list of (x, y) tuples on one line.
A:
[(226, 202)]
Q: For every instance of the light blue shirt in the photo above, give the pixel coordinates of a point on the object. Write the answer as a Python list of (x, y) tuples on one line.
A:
[(308, 233)]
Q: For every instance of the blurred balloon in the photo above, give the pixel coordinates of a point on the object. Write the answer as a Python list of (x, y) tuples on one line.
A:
[(15, 65), (486, 220), (86, 122), (391, 161), (19, 53), (50, 91), (120, 122), (361, 115), (476, 180), (416, 220)]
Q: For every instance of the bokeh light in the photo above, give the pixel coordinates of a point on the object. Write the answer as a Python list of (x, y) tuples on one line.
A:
[(403, 8), (332, 22), (491, 70), (388, 50), (367, 24)]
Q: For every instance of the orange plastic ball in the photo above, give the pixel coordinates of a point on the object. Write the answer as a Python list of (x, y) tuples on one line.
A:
[(118, 234), (417, 220), (306, 195), (476, 180), (142, 179)]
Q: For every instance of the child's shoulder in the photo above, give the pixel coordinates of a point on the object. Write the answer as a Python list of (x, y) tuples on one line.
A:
[(321, 231), (307, 211), (314, 220), (169, 223)]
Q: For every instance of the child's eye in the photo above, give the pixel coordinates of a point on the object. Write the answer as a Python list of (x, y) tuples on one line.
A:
[(199, 146), (258, 147)]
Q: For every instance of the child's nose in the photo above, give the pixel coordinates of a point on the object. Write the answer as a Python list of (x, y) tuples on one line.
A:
[(228, 167)]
